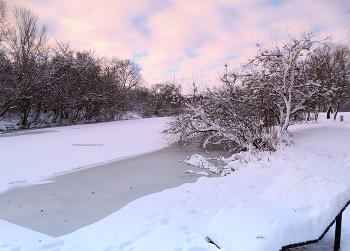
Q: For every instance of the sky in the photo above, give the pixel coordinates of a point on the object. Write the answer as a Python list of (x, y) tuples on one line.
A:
[(186, 38)]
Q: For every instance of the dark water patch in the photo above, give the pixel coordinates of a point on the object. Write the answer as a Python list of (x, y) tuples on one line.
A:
[(24, 132)]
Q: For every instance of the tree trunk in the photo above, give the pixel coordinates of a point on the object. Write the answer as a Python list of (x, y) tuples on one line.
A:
[(288, 114), (336, 111), (24, 122), (329, 112)]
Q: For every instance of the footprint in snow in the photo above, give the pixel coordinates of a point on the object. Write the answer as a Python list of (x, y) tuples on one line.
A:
[(165, 221)]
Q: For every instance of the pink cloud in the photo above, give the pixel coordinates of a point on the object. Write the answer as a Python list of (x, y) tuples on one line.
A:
[(212, 31)]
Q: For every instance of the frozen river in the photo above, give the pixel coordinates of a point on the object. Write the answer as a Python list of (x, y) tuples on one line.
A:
[(70, 201)]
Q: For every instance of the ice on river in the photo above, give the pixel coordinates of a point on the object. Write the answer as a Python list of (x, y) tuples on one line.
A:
[(177, 219)]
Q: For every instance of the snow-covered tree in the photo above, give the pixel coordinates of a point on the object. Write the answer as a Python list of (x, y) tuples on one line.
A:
[(281, 73), (330, 66), (221, 117), (241, 114)]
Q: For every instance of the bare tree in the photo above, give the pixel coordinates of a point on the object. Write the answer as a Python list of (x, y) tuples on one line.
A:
[(330, 66), (128, 74), (120, 78), (42, 84), (28, 53), (7, 95), (165, 99), (28, 39), (4, 25)]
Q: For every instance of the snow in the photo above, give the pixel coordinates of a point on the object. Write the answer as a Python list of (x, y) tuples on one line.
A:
[(175, 219), (202, 173), (200, 161), (31, 155), (297, 207), (15, 238)]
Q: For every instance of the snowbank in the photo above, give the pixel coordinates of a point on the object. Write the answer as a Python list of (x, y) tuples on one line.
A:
[(297, 207), (16, 238)]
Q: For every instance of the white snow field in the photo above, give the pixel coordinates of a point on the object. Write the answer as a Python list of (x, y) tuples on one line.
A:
[(175, 219), (31, 155)]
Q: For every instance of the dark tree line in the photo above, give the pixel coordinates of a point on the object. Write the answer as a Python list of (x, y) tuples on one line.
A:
[(44, 83), (278, 86)]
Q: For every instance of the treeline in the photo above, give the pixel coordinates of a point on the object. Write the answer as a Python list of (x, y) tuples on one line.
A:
[(43, 83), (286, 83)]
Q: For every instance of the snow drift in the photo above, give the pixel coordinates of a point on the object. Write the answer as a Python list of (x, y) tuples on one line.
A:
[(297, 207)]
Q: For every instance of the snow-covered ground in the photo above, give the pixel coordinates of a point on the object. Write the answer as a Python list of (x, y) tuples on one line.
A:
[(31, 155), (176, 219)]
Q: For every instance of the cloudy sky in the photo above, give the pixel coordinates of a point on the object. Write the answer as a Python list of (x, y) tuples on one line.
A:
[(186, 37)]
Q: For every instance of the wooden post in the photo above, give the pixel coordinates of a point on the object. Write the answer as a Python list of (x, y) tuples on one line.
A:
[(337, 232)]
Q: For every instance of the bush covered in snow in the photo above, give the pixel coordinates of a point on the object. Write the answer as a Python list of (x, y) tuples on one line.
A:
[(251, 109)]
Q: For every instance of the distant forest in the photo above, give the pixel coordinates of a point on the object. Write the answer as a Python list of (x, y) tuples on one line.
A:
[(46, 83), (50, 84)]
